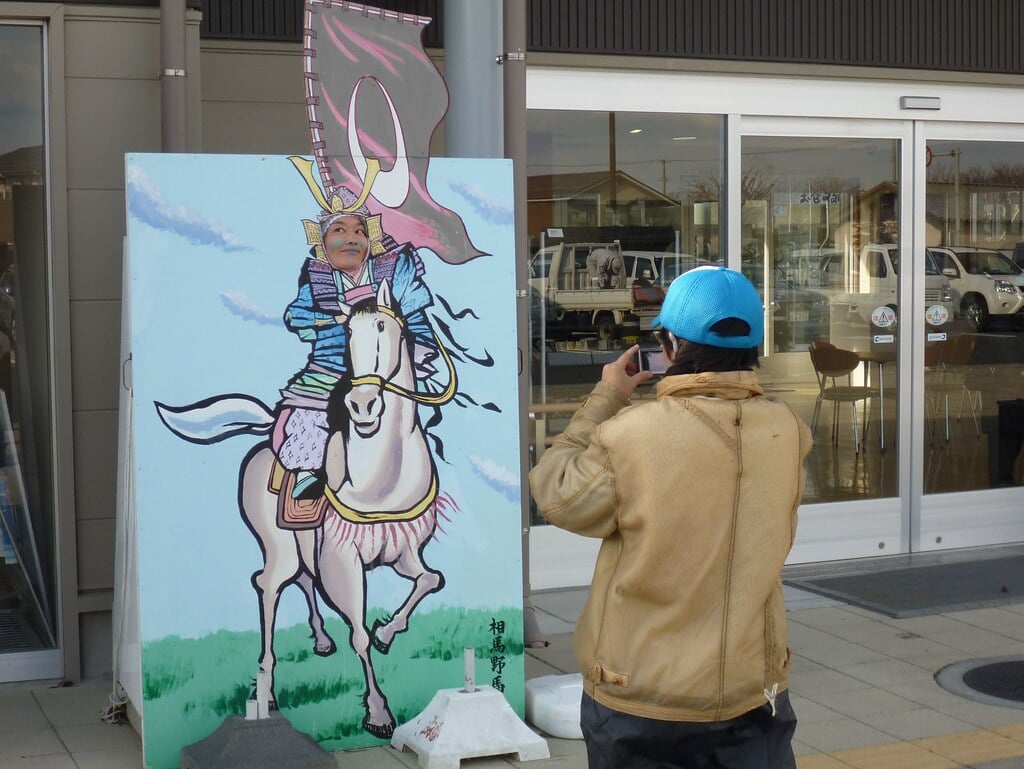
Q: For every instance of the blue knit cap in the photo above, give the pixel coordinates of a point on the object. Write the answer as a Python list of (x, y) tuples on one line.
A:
[(701, 297)]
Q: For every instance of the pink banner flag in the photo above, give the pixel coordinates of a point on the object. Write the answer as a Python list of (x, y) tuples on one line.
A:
[(374, 99)]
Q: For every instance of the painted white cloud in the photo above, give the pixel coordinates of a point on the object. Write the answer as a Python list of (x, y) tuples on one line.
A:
[(147, 204), (497, 477), (490, 210), (241, 305)]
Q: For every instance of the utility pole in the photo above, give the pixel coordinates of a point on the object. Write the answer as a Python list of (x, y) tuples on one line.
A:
[(955, 233)]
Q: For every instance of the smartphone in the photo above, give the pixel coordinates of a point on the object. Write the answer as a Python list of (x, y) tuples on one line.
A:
[(653, 360)]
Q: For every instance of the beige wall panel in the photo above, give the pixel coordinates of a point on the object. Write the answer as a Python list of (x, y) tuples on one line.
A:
[(95, 364), (254, 75), (90, 41), (262, 129), (96, 632), (253, 99), (95, 554), (95, 243), (95, 464), (106, 119)]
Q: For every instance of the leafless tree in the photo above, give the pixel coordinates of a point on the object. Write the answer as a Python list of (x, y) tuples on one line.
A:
[(757, 183)]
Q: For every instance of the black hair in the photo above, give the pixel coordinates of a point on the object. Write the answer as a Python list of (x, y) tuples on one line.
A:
[(695, 358)]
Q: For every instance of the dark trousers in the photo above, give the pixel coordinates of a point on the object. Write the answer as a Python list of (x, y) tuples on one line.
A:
[(755, 740)]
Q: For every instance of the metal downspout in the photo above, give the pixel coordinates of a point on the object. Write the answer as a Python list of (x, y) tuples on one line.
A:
[(172, 76)]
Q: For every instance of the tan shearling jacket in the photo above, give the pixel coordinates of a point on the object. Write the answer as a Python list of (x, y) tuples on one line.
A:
[(695, 496)]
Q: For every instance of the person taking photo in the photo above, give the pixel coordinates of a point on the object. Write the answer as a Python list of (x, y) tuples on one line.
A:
[(682, 643)]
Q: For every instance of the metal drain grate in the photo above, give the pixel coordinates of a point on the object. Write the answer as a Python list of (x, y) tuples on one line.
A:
[(992, 681), (12, 634)]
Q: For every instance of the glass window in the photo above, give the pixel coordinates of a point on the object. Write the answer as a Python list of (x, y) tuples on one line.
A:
[(27, 597), (619, 204)]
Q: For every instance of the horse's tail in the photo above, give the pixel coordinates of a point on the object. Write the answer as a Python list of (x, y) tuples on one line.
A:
[(217, 418)]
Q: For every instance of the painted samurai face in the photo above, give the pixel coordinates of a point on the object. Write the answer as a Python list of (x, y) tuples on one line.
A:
[(346, 244)]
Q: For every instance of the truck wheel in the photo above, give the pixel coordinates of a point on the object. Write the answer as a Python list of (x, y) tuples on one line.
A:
[(975, 312), (605, 327)]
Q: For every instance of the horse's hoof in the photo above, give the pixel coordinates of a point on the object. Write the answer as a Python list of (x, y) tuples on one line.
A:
[(325, 651), (378, 644), (383, 731)]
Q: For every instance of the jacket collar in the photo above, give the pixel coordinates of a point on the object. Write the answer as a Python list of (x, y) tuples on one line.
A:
[(734, 385)]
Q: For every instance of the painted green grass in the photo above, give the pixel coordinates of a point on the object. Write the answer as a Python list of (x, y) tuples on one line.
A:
[(191, 685)]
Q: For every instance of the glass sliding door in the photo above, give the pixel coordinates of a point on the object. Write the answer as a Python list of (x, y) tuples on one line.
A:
[(820, 240), (27, 569), (819, 235), (973, 379)]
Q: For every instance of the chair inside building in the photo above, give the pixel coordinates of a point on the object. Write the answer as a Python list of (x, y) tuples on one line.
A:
[(947, 375), (833, 368)]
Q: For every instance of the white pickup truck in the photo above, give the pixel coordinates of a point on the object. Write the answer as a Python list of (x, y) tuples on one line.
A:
[(593, 289)]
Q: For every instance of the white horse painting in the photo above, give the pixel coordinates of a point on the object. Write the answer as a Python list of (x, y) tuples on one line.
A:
[(382, 486)]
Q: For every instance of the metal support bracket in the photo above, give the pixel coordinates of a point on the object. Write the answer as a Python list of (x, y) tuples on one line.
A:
[(516, 55)]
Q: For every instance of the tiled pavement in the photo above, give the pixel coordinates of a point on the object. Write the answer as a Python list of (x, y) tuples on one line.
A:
[(862, 686)]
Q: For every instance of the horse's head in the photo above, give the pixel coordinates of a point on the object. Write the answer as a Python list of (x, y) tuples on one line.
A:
[(376, 347)]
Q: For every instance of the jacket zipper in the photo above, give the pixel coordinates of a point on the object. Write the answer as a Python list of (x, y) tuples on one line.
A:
[(732, 553)]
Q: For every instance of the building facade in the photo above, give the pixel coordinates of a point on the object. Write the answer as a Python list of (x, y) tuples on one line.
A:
[(861, 162)]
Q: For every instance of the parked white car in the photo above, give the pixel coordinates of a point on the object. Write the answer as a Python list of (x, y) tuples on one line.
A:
[(874, 275), (985, 283)]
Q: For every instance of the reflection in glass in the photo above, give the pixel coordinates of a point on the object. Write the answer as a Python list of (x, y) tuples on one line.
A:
[(819, 225), (619, 204), (26, 518), (974, 391)]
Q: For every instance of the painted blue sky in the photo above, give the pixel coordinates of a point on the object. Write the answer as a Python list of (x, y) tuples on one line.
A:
[(215, 244)]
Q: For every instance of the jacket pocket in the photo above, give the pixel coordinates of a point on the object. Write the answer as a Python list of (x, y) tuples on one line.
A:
[(600, 674)]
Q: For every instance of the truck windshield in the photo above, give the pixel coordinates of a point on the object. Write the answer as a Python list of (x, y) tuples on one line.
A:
[(942, 261), (541, 265), (931, 267)]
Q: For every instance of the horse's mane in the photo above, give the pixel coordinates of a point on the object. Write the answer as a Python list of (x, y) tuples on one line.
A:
[(368, 305), (364, 306)]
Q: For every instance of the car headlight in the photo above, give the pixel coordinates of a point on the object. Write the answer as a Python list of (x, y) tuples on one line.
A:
[(1005, 287), (947, 294)]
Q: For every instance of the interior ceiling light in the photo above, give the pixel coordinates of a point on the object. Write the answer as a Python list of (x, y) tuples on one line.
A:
[(636, 130), (683, 138)]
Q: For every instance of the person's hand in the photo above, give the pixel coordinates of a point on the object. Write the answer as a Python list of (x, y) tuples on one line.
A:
[(622, 372)]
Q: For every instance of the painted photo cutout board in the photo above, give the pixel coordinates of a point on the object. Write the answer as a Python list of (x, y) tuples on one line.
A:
[(327, 461)]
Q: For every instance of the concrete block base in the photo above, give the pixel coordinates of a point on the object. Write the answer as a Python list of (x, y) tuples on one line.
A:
[(263, 743), (458, 724)]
